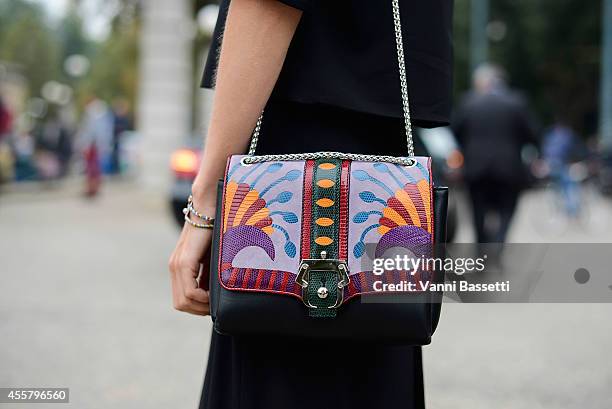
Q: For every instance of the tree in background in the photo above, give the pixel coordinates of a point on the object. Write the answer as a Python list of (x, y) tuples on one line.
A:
[(72, 36), (27, 41), (39, 50), (114, 64), (550, 49), (114, 61)]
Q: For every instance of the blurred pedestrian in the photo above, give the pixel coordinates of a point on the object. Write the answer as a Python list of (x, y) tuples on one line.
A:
[(95, 139), (122, 122), (54, 147), (24, 147), (6, 157), (6, 120), (492, 126), (559, 146)]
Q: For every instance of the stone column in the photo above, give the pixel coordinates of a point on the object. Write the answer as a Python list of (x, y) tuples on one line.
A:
[(164, 111)]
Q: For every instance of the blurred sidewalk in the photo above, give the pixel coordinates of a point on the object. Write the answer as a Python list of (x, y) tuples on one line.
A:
[(526, 356), (85, 303)]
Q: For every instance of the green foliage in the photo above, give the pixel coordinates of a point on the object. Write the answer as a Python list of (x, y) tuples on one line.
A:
[(114, 66), (72, 37), (40, 51), (13, 10), (30, 44), (567, 60), (551, 52)]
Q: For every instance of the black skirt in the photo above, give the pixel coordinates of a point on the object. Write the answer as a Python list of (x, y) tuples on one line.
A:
[(269, 373)]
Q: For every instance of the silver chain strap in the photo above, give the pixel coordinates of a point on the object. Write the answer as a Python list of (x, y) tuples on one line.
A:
[(401, 61), (249, 160), (397, 23), (255, 137)]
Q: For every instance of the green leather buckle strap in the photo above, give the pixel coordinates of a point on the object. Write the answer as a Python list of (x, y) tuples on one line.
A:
[(322, 293), (323, 276), (325, 220), (322, 281), (324, 235)]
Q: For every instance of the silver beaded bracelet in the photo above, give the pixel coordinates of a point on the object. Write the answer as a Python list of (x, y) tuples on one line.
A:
[(209, 222)]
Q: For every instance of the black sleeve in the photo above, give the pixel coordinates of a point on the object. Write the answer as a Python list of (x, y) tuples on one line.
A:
[(209, 76)]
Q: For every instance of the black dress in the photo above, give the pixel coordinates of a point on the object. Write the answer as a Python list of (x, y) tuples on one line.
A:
[(334, 115)]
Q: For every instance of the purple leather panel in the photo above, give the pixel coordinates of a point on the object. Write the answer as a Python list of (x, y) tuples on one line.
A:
[(250, 242), (384, 200)]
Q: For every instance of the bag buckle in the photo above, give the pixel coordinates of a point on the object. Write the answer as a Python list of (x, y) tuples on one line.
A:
[(323, 264)]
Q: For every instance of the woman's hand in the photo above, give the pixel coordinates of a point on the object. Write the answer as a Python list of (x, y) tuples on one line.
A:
[(189, 271)]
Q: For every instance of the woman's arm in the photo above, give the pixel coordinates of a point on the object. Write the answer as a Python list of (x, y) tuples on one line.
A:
[(257, 36)]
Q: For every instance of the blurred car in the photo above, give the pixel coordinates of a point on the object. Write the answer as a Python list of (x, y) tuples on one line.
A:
[(184, 163), (439, 143)]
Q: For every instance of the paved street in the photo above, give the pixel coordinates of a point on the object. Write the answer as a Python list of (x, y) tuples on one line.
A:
[(85, 304), (84, 301)]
